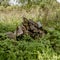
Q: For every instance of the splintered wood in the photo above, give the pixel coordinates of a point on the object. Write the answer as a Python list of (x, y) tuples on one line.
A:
[(29, 27)]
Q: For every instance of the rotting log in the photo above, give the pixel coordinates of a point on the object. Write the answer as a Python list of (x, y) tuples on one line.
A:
[(29, 27)]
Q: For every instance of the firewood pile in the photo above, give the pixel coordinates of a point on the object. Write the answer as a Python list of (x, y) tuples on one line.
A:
[(29, 27)]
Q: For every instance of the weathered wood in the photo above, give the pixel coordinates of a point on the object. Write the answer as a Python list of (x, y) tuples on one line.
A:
[(34, 29), (11, 35), (19, 31)]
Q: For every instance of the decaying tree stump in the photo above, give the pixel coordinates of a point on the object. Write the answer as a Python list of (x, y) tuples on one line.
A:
[(29, 27)]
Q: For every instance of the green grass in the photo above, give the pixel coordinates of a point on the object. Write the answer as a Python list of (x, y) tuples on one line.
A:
[(45, 48), (26, 48)]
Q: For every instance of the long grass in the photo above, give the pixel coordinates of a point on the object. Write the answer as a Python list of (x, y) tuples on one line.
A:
[(45, 48)]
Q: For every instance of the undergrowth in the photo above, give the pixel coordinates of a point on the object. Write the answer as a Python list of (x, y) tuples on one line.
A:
[(27, 48)]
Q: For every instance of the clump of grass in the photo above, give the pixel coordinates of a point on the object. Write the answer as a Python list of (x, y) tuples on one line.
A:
[(9, 24)]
